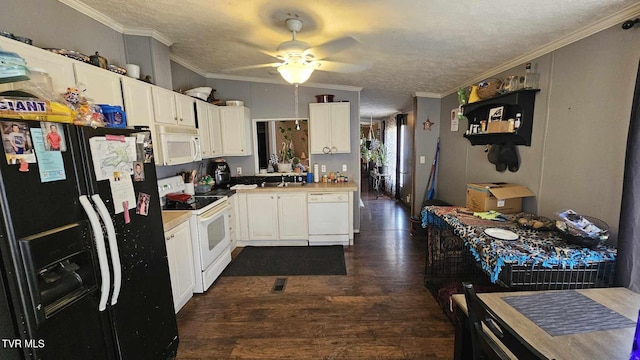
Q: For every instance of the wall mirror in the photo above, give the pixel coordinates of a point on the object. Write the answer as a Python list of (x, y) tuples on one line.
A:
[(286, 139)]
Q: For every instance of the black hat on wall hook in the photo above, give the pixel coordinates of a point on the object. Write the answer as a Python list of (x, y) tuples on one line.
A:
[(630, 23)]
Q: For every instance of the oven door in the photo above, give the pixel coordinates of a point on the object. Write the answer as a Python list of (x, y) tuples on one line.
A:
[(213, 231)]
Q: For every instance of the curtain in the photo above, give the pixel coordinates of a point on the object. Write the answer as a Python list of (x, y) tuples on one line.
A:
[(390, 144), (628, 261)]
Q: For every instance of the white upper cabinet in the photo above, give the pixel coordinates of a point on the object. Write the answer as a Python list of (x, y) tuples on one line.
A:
[(215, 131), (102, 86), (59, 68), (185, 110), (330, 128), (138, 102), (172, 108), (236, 130), (209, 129)]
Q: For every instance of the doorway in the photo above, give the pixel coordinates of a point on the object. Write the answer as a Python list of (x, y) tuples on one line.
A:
[(404, 157)]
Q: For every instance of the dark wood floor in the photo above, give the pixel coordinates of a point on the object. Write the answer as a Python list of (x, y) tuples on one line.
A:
[(379, 310)]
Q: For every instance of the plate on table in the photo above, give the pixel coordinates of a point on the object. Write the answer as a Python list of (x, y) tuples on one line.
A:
[(501, 234)]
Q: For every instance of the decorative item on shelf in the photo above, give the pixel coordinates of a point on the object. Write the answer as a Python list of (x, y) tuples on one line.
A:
[(324, 98), (473, 95), (99, 61), (488, 88), (117, 69), (531, 77), (463, 96), (510, 84), (133, 71)]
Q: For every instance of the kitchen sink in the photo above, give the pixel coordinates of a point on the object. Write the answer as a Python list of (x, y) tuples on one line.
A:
[(293, 184)]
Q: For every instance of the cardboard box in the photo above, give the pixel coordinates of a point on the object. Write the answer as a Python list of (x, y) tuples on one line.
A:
[(503, 197), (498, 127)]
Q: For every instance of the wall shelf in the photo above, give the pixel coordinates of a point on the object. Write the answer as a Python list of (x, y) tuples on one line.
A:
[(521, 101)]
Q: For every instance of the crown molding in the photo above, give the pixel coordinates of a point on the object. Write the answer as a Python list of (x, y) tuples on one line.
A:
[(428, 94), (603, 24), (177, 59), (113, 24), (150, 33)]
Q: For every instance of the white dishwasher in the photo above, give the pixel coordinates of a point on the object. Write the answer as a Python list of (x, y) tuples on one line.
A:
[(328, 218)]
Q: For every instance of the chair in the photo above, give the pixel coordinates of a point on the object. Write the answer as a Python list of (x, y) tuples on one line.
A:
[(485, 346)]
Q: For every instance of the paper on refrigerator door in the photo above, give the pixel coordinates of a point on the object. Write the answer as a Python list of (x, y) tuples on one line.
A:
[(123, 193), (112, 156)]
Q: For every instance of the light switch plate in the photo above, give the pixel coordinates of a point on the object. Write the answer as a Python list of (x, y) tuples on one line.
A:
[(344, 167), (239, 170), (323, 168), (423, 159)]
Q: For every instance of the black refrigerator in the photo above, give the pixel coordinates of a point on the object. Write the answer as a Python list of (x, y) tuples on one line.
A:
[(84, 273)]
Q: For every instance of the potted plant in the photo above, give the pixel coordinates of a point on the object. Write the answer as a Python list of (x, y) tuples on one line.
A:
[(286, 153), (382, 158)]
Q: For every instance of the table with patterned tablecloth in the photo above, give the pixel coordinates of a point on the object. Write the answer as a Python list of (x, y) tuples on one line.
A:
[(536, 259)]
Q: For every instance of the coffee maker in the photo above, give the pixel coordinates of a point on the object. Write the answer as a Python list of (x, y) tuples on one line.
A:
[(220, 172)]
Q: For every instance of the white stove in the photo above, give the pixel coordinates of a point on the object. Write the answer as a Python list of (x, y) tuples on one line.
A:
[(209, 224)]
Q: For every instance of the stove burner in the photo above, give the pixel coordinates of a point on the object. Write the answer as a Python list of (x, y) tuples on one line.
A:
[(194, 203)]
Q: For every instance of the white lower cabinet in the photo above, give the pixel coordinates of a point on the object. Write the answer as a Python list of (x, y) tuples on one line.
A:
[(180, 257), (277, 216)]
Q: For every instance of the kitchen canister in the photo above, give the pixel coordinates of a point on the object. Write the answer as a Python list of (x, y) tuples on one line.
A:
[(309, 177)]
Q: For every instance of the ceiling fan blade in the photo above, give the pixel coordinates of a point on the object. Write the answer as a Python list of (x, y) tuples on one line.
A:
[(331, 47), (248, 67), (340, 67)]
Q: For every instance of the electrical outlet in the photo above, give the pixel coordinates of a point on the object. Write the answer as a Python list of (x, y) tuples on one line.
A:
[(239, 170), (423, 159), (344, 167), (323, 168)]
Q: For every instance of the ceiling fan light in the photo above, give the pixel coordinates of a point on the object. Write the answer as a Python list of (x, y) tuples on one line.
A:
[(295, 72)]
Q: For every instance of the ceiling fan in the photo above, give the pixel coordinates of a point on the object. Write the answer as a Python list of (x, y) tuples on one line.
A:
[(298, 59)]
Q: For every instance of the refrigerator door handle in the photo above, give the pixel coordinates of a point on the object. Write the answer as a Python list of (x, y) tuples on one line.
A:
[(113, 246), (102, 251)]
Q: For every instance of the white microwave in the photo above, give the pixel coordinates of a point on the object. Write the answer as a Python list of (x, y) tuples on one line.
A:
[(179, 145)]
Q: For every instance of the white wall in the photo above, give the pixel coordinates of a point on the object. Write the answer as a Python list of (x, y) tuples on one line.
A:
[(52, 24)]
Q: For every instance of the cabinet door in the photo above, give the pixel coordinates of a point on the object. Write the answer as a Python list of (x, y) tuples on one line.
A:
[(59, 68), (319, 128), (164, 106), (292, 216), (202, 113), (185, 110), (215, 131), (340, 127), (234, 126), (182, 275), (262, 216), (138, 102), (102, 86)]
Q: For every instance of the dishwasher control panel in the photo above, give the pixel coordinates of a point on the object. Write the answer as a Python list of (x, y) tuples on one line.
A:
[(327, 197)]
